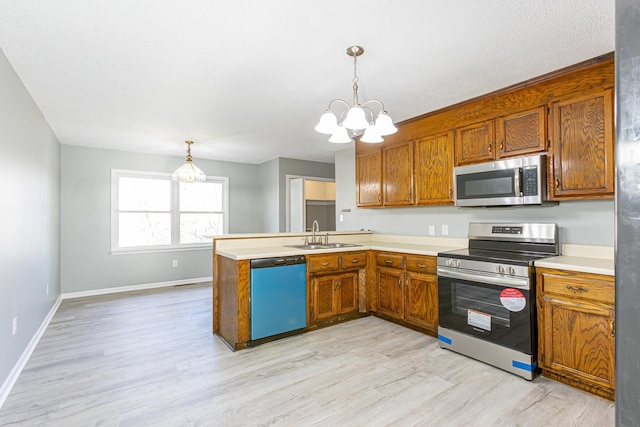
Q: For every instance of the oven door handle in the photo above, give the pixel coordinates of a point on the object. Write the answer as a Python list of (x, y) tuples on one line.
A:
[(478, 277)]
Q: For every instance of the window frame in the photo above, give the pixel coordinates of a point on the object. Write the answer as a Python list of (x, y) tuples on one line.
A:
[(174, 197)]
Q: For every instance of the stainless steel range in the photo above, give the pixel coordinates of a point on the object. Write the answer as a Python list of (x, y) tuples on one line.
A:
[(486, 294)]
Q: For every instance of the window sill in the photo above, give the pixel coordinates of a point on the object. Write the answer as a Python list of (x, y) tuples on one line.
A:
[(151, 251)]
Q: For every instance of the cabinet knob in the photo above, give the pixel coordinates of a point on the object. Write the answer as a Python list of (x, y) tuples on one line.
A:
[(388, 261), (421, 266), (501, 145), (451, 192), (355, 260), (490, 148), (325, 263), (557, 182), (577, 288)]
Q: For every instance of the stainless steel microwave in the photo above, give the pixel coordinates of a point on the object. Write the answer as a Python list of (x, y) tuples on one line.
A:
[(509, 182)]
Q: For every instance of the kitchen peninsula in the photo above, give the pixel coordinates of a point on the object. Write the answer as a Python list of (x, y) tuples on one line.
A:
[(231, 277)]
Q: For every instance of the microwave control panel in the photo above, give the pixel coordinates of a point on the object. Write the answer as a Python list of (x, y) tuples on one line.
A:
[(530, 181)]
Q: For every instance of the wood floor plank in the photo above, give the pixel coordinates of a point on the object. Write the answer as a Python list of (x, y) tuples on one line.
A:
[(148, 358)]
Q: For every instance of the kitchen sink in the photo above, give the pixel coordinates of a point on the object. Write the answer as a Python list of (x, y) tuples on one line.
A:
[(341, 245), (323, 246)]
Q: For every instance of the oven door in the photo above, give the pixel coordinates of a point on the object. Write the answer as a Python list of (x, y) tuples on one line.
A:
[(493, 308)]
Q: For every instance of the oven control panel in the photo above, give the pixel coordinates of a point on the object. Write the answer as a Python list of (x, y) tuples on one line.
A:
[(506, 229)]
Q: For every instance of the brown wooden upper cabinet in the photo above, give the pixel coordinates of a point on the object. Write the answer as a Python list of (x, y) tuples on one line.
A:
[(397, 174), (369, 177), (510, 135), (582, 145), (433, 169)]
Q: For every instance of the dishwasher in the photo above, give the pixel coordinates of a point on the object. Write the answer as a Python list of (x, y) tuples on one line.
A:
[(278, 297)]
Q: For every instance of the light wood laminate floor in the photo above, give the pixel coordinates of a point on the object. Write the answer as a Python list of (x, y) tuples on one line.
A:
[(149, 358)]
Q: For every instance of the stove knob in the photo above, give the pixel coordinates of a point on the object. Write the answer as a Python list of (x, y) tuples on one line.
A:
[(458, 263), (447, 262), (512, 271), (500, 269)]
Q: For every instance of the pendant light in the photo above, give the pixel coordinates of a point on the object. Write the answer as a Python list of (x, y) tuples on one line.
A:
[(357, 117), (189, 172)]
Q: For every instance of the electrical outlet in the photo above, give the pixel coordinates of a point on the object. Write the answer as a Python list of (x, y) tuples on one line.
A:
[(174, 263), (15, 325), (445, 230), (432, 230)]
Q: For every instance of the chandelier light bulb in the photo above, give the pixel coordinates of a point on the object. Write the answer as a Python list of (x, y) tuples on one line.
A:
[(340, 136), (327, 124), (355, 119), (384, 125), (371, 135)]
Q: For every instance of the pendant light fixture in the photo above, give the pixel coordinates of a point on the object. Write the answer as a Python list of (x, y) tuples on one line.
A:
[(356, 118), (189, 172)]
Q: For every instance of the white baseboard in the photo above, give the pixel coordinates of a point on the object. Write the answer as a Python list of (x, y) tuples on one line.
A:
[(26, 354), (19, 366), (104, 291)]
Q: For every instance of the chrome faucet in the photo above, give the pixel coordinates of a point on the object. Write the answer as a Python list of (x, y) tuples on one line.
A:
[(315, 228)]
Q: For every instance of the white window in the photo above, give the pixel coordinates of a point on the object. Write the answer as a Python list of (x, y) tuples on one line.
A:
[(150, 211)]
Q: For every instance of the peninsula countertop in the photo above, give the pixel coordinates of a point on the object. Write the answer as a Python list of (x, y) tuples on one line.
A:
[(251, 246)]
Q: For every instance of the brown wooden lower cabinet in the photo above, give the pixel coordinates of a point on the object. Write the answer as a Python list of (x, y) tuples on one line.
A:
[(407, 289), (334, 294), (334, 284), (576, 324)]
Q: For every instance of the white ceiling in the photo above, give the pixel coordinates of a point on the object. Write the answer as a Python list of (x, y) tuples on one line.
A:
[(247, 80)]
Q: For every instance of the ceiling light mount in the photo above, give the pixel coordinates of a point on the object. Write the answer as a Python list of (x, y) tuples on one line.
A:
[(189, 172), (356, 117)]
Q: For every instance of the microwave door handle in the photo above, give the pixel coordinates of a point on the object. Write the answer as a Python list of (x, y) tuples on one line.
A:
[(517, 187)]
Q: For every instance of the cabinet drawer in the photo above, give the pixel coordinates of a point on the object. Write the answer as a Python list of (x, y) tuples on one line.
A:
[(592, 287), (421, 264), (353, 260), (389, 260), (318, 263)]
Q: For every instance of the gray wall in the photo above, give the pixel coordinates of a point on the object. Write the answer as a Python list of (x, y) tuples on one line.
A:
[(580, 222), (86, 263), (30, 226), (269, 200)]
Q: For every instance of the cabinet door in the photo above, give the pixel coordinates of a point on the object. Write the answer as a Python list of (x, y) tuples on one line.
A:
[(579, 341), (475, 143), (582, 145), (324, 296), (369, 178), (390, 301), (421, 300), (522, 133), (397, 176), (348, 293), (433, 157)]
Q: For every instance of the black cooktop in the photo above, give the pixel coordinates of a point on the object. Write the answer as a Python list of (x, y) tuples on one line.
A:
[(497, 256)]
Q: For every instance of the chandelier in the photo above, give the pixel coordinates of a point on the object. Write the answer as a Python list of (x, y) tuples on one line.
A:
[(189, 172), (359, 117)]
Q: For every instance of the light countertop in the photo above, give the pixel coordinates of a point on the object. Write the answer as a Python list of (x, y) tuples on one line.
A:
[(582, 258), (266, 246)]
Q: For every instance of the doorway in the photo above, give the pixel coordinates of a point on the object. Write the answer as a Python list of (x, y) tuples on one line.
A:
[(310, 199)]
